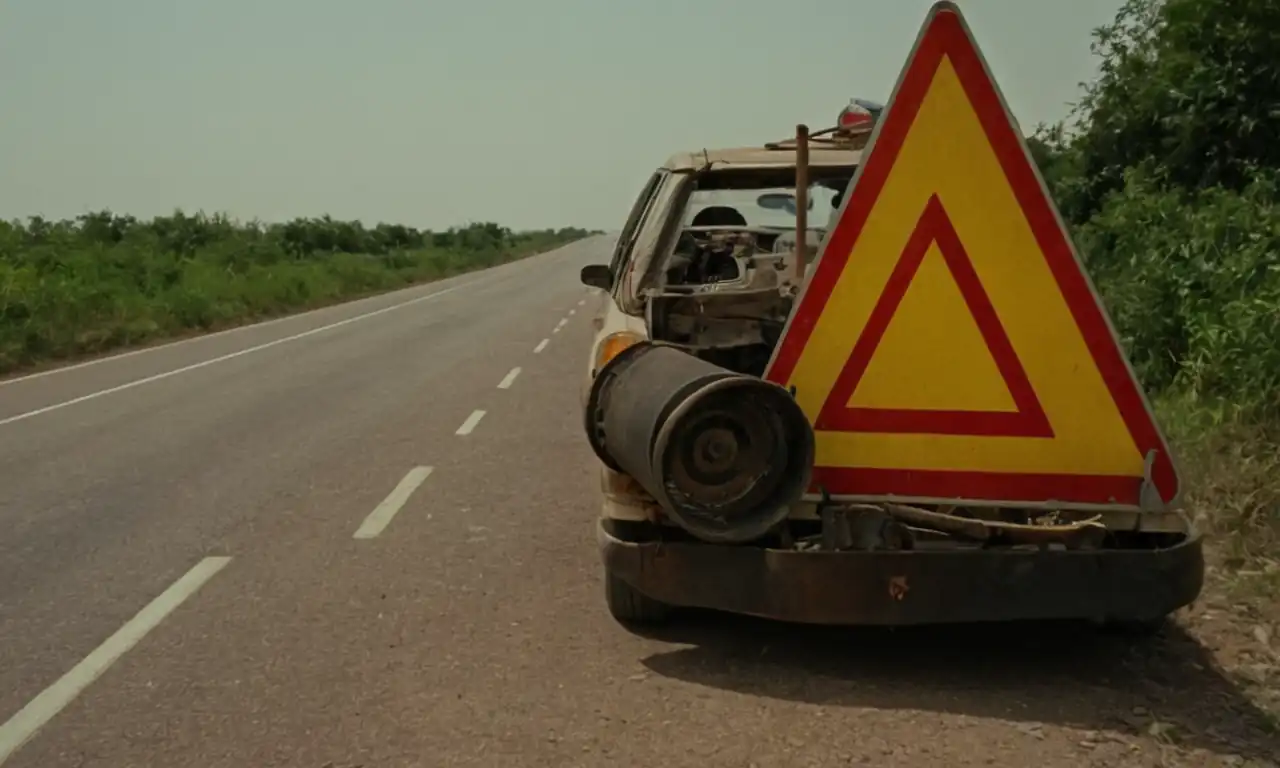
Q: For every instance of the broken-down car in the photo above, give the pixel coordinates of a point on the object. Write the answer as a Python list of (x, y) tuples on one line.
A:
[(706, 497)]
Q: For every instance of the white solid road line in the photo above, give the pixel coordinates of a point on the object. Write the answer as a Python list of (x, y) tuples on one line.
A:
[(158, 347), (222, 358), (509, 379), (382, 514), (203, 336), (21, 727), (470, 423), (237, 329), (541, 346)]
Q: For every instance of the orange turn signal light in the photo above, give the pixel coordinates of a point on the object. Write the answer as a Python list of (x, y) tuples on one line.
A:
[(613, 345)]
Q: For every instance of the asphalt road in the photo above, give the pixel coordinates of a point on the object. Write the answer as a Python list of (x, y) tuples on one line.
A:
[(293, 544)]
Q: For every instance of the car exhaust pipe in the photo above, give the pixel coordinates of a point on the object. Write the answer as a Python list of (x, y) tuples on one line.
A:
[(724, 454)]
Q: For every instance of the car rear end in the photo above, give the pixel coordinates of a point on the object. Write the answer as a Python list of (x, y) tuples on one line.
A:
[(676, 530)]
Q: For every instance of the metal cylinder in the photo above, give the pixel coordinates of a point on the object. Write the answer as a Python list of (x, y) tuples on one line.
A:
[(725, 454)]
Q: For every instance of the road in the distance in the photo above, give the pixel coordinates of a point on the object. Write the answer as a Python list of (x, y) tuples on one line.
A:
[(364, 538)]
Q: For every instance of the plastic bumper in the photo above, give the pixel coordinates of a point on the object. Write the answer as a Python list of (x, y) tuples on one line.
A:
[(911, 587)]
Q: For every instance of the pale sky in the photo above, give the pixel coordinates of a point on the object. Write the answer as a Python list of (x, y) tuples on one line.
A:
[(532, 113)]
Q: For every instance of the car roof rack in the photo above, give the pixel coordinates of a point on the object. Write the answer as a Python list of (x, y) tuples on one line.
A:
[(852, 130), (829, 138)]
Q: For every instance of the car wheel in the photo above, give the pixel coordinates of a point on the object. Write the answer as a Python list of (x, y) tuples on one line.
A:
[(629, 606)]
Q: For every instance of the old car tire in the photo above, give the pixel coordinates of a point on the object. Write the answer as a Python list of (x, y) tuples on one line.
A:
[(629, 606)]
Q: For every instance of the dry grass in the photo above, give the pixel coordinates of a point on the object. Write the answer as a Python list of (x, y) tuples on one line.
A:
[(1232, 475), (1233, 479)]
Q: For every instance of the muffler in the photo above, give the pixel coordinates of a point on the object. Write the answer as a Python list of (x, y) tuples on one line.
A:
[(723, 453)]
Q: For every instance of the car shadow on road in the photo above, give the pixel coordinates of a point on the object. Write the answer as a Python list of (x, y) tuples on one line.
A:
[(1064, 674)]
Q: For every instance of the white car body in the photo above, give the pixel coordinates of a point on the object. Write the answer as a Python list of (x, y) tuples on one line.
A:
[(646, 241)]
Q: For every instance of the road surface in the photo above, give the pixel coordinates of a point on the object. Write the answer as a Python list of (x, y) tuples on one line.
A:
[(364, 537)]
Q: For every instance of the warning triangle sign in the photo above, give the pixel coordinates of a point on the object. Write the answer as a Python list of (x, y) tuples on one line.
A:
[(948, 345)]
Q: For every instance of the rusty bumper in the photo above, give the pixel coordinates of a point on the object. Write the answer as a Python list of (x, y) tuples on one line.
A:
[(911, 587)]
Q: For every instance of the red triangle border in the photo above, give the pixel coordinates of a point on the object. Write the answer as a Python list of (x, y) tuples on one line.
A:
[(1028, 420)]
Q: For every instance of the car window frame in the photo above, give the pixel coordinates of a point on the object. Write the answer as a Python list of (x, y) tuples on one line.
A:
[(625, 246)]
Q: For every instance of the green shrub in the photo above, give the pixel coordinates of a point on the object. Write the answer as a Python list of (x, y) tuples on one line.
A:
[(1192, 281), (102, 281), (1169, 173)]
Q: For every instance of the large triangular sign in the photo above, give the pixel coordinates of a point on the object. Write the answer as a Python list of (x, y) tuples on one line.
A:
[(948, 345)]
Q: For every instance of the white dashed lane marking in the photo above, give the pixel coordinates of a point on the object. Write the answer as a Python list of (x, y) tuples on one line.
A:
[(509, 379), (19, 729), (381, 515), (541, 346), (470, 423)]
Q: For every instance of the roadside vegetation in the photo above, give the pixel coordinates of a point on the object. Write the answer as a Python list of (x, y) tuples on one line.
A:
[(1168, 172), (104, 281)]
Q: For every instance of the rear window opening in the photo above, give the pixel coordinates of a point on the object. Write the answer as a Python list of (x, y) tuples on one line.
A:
[(728, 285)]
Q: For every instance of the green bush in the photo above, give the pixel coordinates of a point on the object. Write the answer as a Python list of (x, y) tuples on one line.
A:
[(1193, 283), (103, 281), (1169, 174)]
